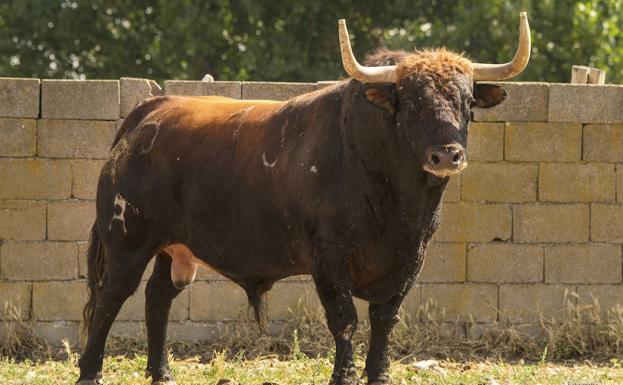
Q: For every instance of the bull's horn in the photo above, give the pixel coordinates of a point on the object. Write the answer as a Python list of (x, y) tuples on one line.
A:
[(483, 71), (383, 74)]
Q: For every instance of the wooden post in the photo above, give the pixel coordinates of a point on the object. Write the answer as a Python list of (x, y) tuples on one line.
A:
[(587, 75), (579, 74)]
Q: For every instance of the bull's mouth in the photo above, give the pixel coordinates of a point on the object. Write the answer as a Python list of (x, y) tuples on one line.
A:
[(444, 172)]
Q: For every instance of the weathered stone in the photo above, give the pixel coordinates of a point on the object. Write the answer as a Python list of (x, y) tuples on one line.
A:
[(55, 333), (413, 301), (58, 300), (70, 220), (525, 102), (532, 302), (444, 262), (38, 261), (135, 90), (551, 223), (620, 183), (218, 301), (80, 99), (545, 142), (75, 138), (275, 90), (200, 88), (463, 302), (15, 299), (602, 143), (485, 141), (19, 98), (499, 182), (84, 177), (83, 267), (575, 182), (134, 307), (18, 137), (585, 103), (22, 220), (34, 179), (286, 299), (585, 263), (474, 222), (504, 262), (606, 223)]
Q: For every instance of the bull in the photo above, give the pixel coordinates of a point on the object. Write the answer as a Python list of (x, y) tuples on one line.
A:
[(344, 184)]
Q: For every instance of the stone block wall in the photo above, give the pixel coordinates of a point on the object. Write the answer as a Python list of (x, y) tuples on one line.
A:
[(536, 218)]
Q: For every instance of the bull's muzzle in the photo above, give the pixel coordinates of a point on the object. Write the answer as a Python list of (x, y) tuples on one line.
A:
[(445, 160)]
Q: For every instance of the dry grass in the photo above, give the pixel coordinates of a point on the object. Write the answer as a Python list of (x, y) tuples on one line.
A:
[(586, 332)]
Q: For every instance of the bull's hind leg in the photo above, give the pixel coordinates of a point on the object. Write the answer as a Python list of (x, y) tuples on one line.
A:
[(122, 276), (159, 294)]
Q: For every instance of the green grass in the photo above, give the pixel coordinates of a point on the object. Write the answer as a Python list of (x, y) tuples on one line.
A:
[(303, 370)]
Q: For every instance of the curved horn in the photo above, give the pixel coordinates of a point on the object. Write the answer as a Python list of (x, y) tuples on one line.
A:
[(483, 71), (383, 74)]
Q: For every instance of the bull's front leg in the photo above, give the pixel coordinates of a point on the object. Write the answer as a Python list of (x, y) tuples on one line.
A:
[(334, 289), (383, 318)]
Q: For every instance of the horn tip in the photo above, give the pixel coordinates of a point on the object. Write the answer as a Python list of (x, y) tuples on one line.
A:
[(341, 22), (523, 15)]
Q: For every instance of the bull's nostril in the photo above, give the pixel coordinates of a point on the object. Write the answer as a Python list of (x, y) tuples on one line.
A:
[(434, 159), (456, 159)]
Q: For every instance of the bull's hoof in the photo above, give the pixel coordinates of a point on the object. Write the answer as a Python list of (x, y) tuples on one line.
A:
[(90, 382)]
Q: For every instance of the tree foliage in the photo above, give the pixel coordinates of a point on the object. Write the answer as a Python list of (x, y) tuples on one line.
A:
[(293, 40)]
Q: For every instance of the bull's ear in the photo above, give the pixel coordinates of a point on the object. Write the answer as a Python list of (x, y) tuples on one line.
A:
[(488, 95), (381, 95)]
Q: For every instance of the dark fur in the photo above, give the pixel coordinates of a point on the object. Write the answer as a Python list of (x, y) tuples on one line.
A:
[(326, 184)]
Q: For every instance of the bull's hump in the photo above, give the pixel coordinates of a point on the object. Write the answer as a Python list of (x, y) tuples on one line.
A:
[(211, 108)]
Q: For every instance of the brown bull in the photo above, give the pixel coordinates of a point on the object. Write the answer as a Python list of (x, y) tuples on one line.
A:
[(344, 184)]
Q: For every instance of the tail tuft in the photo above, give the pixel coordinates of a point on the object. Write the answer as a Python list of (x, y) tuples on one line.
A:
[(96, 261)]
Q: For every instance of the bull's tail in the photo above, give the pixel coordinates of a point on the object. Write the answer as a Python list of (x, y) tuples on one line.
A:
[(96, 261)]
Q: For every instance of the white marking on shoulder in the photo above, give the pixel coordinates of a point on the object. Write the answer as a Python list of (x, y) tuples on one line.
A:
[(313, 169), (122, 204), (266, 163)]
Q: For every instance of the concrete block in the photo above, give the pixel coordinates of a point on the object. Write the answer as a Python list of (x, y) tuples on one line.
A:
[(606, 297), (464, 302), (80, 99), (275, 90), (413, 301), (19, 98), (70, 220), (134, 307), (84, 177), (218, 301), (75, 138), (551, 223), (574, 182), (38, 261), (18, 296), (499, 182), (18, 137), (602, 143), (285, 299), (585, 103), (606, 223), (443, 262), (453, 189), (525, 102), (474, 222), (585, 263), (83, 268), (619, 183), (504, 262), (59, 300), (54, 333), (543, 142), (199, 88), (22, 220), (530, 303), (133, 91), (485, 141), (34, 179)]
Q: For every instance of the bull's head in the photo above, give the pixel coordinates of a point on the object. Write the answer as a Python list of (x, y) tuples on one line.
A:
[(431, 94)]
